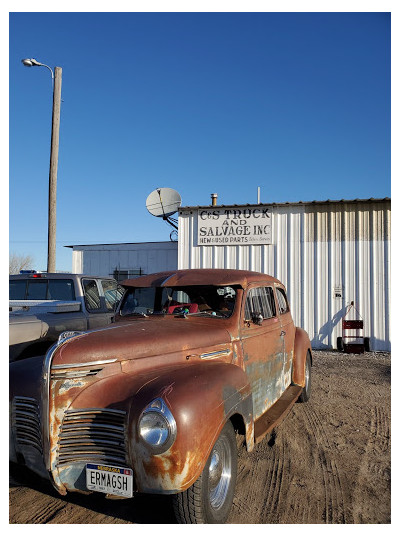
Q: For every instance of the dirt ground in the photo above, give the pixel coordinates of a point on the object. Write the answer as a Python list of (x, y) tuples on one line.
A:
[(328, 462)]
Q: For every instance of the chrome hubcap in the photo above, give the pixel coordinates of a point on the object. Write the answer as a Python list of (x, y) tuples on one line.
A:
[(307, 376), (220, 472)]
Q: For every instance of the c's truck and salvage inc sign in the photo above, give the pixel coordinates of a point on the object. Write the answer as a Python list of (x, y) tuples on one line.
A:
[(250, 225)]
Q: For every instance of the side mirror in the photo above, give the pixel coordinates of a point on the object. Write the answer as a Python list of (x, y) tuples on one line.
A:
[(257, 318)]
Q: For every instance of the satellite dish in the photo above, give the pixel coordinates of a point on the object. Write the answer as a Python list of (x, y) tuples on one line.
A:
[(163, 202)]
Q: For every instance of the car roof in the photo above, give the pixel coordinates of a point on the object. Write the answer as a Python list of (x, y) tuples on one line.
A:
[(200, 276)]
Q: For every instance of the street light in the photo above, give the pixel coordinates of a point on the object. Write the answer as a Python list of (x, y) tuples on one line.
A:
[(55, 136)]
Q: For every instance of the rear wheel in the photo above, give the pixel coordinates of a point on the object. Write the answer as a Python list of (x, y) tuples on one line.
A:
[(339, 344), (366, 344), (210, 498), (306, 392)]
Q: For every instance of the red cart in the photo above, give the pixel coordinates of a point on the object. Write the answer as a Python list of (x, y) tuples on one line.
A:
[(352, 340)]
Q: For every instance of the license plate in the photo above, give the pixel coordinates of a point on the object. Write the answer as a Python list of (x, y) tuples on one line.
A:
[(109, 479)]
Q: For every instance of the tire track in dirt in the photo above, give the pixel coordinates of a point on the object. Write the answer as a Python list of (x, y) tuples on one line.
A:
[(380, 430), (276, 483), (264, 474), (42, 510), (337, 493), (242, 505), (245, 506), (47, 512), (379, 442), (376, 450)]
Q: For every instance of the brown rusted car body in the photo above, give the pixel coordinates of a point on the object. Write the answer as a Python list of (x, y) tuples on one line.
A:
[(82, 403)]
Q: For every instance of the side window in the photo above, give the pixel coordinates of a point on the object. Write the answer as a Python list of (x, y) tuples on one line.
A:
[(282, 301), (260, 301), (92, 298), (112, 293)]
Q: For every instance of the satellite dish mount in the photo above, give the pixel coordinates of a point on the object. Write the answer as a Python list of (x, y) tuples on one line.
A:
[(163, 203)]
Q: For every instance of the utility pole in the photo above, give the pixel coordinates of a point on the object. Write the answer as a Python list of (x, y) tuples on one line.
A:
[(55, 136)]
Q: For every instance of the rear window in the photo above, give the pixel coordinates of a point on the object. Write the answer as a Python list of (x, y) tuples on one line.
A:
[(61, 289), (42, 289), (36, 290), (17, 289)]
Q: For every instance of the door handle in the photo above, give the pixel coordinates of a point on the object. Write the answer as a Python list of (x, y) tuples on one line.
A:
[(283, 333)]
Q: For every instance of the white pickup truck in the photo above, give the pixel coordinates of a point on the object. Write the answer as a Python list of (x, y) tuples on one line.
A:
[(43, 305)]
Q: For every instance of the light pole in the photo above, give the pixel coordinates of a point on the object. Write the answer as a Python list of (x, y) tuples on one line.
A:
[(55, 135)]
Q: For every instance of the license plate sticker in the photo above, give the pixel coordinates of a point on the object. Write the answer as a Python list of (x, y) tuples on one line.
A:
[(109, 479)]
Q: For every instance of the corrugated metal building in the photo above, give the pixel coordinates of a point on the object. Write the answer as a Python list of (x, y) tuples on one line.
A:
[(124, 260), (328, 254)]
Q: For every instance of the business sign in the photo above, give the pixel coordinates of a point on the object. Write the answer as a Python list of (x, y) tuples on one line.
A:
[(231, 225)]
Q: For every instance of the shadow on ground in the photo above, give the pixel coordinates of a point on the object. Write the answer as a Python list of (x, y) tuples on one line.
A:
[(143, 509)]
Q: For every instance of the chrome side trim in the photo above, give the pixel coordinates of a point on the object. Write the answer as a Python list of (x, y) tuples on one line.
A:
[(213, 355), (45, 392), (87, 364), (74, 374), (45, 409)]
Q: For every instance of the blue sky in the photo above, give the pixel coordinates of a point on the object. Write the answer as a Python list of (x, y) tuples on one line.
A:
[(296, 103)]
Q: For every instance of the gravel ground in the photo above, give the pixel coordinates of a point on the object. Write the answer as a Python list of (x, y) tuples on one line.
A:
[(328, 462)]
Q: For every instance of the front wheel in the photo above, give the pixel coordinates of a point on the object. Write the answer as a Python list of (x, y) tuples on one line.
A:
[(210, 498), (306, 392)]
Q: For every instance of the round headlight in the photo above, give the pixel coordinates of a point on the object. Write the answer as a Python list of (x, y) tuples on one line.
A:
[(157, 426), (153, 428)]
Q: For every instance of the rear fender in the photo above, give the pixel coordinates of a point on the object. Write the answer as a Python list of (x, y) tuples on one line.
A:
[(302, 346)]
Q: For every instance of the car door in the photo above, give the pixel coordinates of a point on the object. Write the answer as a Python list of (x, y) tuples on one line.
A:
[(288, 334), (263, 356)]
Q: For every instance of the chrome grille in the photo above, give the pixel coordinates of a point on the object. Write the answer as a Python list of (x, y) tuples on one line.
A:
[(26, 419), (93, 435)]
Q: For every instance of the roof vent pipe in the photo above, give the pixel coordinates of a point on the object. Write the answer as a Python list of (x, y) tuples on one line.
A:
[(214, 199)]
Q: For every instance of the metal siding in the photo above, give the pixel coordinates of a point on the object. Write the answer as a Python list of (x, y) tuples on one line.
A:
[(316, 248), (103, 259), (77, 261)]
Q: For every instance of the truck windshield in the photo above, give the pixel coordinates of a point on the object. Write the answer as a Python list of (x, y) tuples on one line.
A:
[(194, 300)]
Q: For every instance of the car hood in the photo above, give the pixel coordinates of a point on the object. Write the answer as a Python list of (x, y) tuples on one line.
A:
[(143, 338)]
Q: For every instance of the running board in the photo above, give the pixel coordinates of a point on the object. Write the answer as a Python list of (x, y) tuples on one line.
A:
[(276, 413)]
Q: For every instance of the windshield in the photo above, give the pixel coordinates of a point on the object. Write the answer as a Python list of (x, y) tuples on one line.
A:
[(218, 301)]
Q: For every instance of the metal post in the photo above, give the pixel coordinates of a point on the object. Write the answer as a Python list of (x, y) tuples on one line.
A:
[(55, 135)]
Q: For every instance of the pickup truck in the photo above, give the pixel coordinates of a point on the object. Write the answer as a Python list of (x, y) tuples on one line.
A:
[(197, 363), (43, 305)]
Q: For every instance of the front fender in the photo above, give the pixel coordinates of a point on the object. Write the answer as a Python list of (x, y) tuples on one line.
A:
[(302, 346), (201, 397)]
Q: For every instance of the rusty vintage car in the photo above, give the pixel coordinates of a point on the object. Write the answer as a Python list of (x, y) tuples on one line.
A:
[(197, 361)]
